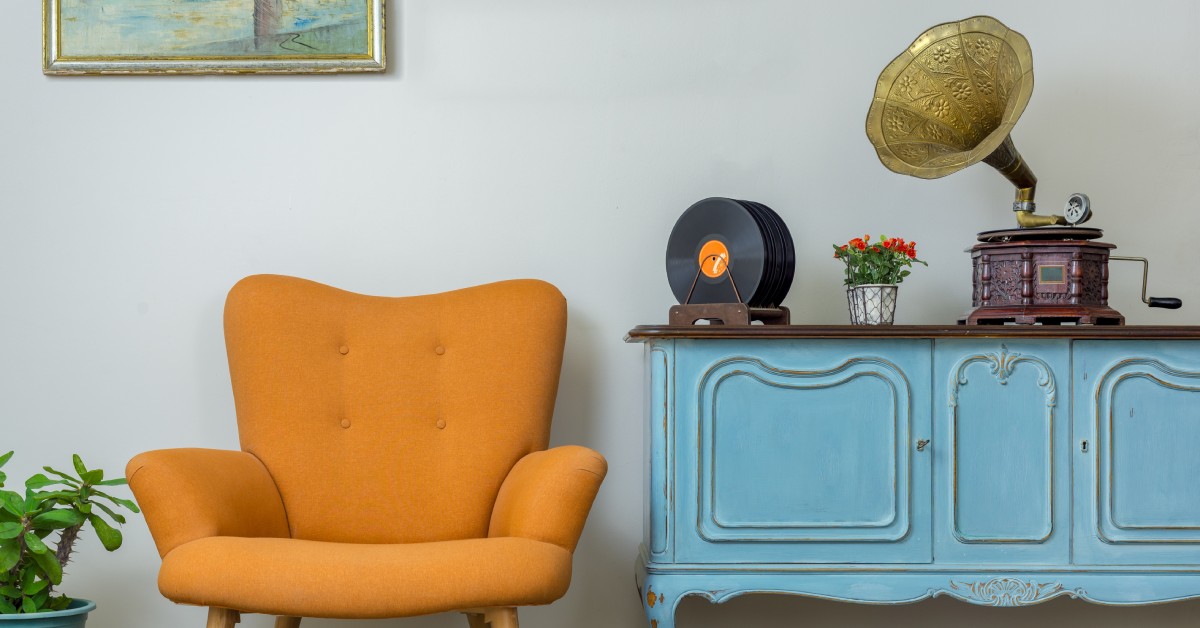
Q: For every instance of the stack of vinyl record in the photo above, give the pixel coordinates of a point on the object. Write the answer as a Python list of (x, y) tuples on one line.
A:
[(721, 239)]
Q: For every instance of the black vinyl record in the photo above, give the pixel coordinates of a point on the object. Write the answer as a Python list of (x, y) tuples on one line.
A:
[(785, 256), (719, 237)]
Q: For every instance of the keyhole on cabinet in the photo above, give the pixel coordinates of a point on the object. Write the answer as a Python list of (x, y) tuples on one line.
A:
[(1083, 446)]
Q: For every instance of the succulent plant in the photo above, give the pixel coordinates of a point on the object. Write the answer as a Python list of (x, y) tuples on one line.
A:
[(30, 566)]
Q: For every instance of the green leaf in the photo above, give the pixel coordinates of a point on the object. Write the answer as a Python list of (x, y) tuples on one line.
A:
[(9, 590), (10, 554), (59, 495), (50, 566), (3, 477), (112, 515), (59, 518), (95, 476), (117, 500), (37, 586), (11, 530), (27, 578), (5, 458), (113, 482), (60, 603), (40, 598), (38, 480), (71, 480), (27, 606), (6, 607), (109, 536), (79, 468), (34, 544), (12, 502)]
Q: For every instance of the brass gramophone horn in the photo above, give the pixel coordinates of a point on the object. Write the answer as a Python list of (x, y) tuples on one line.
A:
[(951, 100)]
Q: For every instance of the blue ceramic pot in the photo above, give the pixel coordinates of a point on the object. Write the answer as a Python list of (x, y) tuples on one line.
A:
[(74, 616)]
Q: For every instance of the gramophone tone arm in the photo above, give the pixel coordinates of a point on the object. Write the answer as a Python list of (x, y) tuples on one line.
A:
[(1026, 218), (1009, 162)]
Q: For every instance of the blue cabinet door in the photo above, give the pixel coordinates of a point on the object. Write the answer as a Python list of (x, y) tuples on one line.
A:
[(1002, 477), (802, 451), (1137, 452)]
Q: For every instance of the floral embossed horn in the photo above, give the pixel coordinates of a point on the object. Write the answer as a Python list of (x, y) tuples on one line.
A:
[(950, 101)]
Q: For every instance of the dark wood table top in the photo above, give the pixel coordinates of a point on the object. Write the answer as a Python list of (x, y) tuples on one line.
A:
[(642, 333)]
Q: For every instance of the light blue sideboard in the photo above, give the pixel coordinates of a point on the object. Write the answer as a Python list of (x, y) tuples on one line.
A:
[(1002, 466)]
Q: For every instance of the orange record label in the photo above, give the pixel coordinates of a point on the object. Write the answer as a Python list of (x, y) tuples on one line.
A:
[(714, 258)]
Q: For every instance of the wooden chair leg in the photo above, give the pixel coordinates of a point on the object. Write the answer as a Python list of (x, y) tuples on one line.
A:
[(500, 617), (287, 622), (223, 617)]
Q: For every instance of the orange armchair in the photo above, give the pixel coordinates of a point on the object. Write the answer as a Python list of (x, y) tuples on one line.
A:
[(393, 460)]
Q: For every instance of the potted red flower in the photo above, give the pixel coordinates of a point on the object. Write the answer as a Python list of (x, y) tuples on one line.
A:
[(873, 272)]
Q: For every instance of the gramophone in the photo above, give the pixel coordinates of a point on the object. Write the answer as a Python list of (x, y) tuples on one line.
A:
[(950, 101)]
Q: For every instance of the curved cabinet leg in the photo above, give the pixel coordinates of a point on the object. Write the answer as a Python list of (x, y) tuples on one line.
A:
[(222, 617), (475, 620), (287, 622), (659, 606)]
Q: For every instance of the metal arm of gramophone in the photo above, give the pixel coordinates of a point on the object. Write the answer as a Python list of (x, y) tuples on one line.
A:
[(1170, 303), (1009, 163)]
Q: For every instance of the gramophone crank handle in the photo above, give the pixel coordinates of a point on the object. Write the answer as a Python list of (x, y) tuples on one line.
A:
[(1170, 303)]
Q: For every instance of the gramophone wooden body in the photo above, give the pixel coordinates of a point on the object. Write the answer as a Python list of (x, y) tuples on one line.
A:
[(1041, 281)]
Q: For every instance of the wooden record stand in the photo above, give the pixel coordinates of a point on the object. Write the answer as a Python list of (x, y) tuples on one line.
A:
[(737, 313), (1048, 275)]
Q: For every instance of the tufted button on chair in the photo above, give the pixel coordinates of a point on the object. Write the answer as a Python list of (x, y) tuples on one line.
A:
[(393, 460)]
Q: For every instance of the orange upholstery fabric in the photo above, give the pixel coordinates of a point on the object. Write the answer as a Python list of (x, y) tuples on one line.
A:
[(548, 494), (392, 457), (343, 397), (191, 494), (319, 579)]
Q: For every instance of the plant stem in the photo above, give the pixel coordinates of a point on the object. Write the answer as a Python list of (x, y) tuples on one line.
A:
[(66, 544)]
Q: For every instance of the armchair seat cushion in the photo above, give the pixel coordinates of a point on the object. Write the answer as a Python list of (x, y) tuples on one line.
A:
[(349, 580)]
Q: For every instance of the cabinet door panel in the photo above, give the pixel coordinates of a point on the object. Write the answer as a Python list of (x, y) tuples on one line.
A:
[(816, 457), (1138, 403), (657, 449), (1002, 492), (802, 451)]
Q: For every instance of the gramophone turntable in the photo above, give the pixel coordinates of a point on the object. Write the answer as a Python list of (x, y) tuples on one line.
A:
[(950, 101)]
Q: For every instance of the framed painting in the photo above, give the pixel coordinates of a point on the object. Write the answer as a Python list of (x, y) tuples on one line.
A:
[(212, 36)]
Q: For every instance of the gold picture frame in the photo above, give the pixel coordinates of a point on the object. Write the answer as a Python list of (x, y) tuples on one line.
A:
[(87, 37)]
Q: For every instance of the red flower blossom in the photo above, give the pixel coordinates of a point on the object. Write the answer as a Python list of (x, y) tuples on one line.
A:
[(885, 261)]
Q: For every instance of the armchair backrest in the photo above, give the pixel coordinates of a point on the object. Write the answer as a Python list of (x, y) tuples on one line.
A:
[(392, 420)]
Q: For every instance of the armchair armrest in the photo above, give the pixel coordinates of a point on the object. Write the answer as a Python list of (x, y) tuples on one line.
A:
[(548, 494), (188, 494)]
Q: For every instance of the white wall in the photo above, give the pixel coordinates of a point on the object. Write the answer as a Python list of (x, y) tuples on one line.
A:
[(549, 138)]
